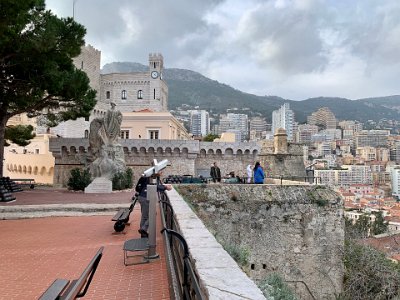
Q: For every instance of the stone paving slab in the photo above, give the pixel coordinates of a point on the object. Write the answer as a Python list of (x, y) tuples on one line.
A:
[(34, 252)]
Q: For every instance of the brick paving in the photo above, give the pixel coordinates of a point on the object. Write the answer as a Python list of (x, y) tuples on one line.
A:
[(34, 252), (56, 196)]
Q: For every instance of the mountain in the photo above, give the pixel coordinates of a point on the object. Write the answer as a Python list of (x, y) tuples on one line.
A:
[(192, 88)]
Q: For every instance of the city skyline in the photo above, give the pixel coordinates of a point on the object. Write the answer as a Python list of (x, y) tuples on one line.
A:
[(292, 49)]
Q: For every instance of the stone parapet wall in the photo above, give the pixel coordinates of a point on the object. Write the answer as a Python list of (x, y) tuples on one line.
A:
[(218, 274), (295, 231), (186, 157)]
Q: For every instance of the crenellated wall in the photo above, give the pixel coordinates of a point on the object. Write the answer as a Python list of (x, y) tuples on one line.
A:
[(185, 157)]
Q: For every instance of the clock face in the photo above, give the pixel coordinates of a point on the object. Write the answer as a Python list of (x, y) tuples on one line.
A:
[(154, 74)]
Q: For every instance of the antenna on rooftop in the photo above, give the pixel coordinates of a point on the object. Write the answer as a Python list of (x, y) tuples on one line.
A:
[(73, 8)]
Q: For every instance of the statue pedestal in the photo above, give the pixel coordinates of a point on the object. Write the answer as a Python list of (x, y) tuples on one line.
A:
[(99, 185)]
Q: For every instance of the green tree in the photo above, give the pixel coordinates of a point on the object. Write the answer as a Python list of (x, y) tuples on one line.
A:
[(37, 75), (379, 226), (19, 134), (210, 137), (362, 226)]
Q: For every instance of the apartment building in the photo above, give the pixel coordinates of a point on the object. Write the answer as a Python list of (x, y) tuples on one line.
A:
[(395, 179), (199, 122), (323, 118), (284, 118), (304, 133), (235, 123), (372, 138)]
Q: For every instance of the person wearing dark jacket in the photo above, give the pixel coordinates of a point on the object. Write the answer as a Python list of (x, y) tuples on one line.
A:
[(215, 173), (258, 173), (141, 189)]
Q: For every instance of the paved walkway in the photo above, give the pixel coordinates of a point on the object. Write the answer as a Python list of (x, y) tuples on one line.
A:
[(34, 252)]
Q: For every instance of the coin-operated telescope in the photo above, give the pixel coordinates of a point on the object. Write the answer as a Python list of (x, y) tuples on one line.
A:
[(156, 168)]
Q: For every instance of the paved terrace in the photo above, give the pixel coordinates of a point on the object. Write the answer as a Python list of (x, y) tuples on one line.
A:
[(35, 251)]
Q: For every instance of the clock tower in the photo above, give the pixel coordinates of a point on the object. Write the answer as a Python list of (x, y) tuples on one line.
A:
[(158, 88)]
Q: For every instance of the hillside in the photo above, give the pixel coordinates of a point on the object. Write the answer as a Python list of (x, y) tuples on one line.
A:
[(194, 89)]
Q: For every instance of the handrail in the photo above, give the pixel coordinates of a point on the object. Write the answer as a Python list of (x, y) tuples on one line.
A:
[(310, 179), (184, 281)]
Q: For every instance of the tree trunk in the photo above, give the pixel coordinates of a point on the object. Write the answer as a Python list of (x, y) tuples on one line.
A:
[(3, 122)]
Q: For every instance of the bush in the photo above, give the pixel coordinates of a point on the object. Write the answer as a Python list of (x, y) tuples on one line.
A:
[(274, 287), (79, 179), (239, 254), (369, 275), (123, 180)]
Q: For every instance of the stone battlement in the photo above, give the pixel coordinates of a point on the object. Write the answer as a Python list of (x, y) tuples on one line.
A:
[(186, 157)]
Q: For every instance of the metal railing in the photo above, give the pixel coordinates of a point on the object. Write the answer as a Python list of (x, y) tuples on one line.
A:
[(309, 179), (184, 281)]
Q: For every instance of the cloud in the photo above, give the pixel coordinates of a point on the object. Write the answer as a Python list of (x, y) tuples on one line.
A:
[(291, 48)]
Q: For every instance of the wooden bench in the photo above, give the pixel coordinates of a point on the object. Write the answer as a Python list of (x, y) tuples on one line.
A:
[(63, 289)]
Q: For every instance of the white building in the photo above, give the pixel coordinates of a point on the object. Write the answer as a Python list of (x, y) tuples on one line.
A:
[(395, 176), (354, 174), (284, 118), (199, 122)]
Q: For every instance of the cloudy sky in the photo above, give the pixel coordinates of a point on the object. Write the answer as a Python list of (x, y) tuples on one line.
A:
[(295, 49)]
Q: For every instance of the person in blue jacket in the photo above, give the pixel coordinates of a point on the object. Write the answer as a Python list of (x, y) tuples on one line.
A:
[(258, 173)]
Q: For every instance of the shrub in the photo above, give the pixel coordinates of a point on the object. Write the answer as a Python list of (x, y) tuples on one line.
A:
[(274, 287), (79, 179), (369, 275), (123, 180), (239, 254)]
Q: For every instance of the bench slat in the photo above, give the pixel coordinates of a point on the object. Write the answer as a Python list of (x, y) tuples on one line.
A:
[(118, 215), (125, 215), (55, 290)]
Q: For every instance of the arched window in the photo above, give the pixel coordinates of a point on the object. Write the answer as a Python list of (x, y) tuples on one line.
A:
[(86, 134), (123, 95), (108, 95), (140, 94)]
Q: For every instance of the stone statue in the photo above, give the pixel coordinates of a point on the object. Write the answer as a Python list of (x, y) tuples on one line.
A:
[(108, 155), (111, 125)]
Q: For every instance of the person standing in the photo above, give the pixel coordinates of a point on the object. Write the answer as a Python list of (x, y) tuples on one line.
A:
[(249, 170), (141, 189), (258, 174), (215, 173)]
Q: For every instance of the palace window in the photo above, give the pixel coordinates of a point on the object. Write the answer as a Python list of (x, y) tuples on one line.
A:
[(123, 95), (124, 134), (108, 95), (86, 134), (154, 134), (140, 94)]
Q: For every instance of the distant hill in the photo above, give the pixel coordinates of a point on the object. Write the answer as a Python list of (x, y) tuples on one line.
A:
[(194, 89)]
